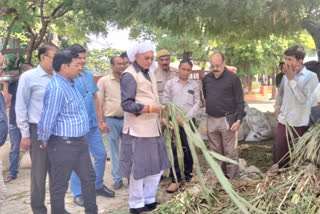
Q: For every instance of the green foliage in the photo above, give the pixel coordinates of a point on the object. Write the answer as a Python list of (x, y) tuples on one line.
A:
[(13, 62), (34, 22), (231, 19), (98, 60)]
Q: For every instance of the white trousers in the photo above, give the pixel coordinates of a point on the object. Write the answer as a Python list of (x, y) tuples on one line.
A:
[(3, 189), (143, 191)]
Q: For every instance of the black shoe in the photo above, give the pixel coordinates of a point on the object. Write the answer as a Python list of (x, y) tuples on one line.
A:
[(104, 191), (78, 200), (117, 184), (139, 210), (66, 212), (152, 206)]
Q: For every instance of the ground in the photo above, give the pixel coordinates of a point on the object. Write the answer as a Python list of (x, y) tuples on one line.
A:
[(18, 195)]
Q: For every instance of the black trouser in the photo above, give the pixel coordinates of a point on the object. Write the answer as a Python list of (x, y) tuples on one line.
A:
[(66, 155), (39, 168), (188, 161)]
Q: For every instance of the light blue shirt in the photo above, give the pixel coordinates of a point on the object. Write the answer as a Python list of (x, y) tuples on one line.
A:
[(87, 88), (29, 98), (64, 113), (294, 98)]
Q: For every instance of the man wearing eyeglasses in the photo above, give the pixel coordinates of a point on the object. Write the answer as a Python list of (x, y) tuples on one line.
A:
[(62, 131), (88, 90), (29, 102), (225, 107)]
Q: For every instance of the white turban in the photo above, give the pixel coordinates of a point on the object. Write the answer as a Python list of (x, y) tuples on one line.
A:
[(141, 48)]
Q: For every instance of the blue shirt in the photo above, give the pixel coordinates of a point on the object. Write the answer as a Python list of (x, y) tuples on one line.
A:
[(64, 113), (29, 98), (87, 88)]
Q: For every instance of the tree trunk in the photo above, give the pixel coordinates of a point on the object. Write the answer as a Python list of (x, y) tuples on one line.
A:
[(249, 77), (187, 55), (30, 49), (274, 88)]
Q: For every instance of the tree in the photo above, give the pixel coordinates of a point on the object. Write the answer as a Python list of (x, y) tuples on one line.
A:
[(98, 60), (38, 18), (235, 20)]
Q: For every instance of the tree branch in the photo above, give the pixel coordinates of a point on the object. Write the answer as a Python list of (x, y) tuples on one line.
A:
[(6, 41), (55, 11), (43, 31), (41, 12)]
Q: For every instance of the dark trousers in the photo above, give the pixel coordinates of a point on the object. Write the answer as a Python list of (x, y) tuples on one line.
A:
[(188, 161), (66, 155), (282, 143), (39, 168)]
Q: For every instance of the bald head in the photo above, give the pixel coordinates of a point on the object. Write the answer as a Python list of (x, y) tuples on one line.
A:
[(217, 63)]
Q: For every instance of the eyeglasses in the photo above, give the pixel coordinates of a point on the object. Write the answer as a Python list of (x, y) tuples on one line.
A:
[(215, 66), (51, 57), (76, 65)]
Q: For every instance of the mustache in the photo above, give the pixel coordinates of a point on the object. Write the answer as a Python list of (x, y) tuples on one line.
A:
[(216, 71)]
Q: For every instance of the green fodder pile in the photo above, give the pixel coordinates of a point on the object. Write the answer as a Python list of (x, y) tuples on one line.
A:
[(295, 189)]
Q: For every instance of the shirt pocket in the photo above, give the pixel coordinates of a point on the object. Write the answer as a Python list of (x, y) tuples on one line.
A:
[(160, 85), (189, 97)]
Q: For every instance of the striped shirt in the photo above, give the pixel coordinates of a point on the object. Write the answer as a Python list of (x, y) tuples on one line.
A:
[(64, 113)]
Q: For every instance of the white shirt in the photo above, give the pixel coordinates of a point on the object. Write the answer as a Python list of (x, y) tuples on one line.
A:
[(29, 98), (295, 97)]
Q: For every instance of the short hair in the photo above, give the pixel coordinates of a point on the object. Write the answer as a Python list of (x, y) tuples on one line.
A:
[(24, 67), (77, 48), (45, 48), (188, 61), (63, 57), (124, 55), (219, 53), (112, 59), (297, 51)]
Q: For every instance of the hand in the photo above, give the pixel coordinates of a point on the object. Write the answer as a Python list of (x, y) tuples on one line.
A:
[(158, 108), (25, 144), (277, 111), (180, 121), (235, 126), (170, 125), (7, 98), (103, 127), (290, 71), (43, 145)]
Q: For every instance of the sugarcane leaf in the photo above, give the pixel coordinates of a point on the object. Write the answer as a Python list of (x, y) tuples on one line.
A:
[(223, 158)]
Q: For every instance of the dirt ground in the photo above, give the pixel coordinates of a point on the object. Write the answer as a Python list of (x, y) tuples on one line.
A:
[(258, 154)]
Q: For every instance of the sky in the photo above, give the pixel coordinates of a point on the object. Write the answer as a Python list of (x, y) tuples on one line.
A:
[(118, 39)]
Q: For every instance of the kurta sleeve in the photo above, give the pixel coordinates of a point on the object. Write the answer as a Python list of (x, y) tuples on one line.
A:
[(128, 88)]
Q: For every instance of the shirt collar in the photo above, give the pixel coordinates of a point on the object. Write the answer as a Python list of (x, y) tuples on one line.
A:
[(178, 80), (222, 75), (65, 80), (42, 72), (303, 71), (112, 76)]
